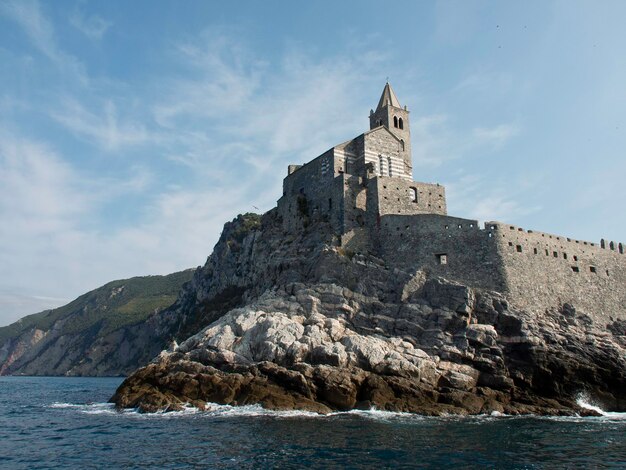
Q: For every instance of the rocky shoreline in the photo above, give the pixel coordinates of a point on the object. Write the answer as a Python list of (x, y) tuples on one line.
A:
[(446, 350)]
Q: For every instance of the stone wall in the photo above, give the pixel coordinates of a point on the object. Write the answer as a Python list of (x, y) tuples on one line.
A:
[(545, 270), (398, 196), (535, 270), (450, 247), (355, 234), (313, 191)]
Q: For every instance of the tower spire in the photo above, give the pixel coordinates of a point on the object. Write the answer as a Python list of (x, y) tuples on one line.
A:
[(395, 118), (388, 98)]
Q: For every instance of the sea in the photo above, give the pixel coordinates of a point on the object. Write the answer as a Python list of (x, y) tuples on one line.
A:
[(57, 422)]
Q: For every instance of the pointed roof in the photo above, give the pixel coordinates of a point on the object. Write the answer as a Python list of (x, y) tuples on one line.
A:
[(388, 98)]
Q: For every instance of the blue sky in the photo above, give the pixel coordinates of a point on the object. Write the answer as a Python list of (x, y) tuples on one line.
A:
[(131, 131)]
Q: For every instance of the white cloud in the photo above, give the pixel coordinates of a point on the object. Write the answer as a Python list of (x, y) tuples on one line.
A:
[(233, 118), (37, 190), (28, 15), (496, 136), (436, 140), (222, 81), (104, 128), (53, 241), (92, 26), (14, 306), (39, 30), (488, 199), (433, 141)]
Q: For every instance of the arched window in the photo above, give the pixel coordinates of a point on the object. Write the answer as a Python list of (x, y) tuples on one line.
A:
[(413, 194), (395, 121), (402, 144), (400, 123)]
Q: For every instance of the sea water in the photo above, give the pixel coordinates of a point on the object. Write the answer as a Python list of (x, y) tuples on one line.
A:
[(67, 422)]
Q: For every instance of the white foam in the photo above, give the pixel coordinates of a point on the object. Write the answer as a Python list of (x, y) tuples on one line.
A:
[(88, 408), (381, 415), (214, 410), (585, 402), (63, 405)]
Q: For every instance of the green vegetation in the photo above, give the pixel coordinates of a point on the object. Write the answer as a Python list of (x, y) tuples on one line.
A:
[(245, 224), (112, 306)]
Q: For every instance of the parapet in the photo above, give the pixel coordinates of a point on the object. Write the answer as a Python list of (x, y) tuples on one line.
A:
[(552, 239), (293, 168)]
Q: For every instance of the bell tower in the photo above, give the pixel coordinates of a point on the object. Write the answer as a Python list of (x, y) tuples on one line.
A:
[(393, 116)]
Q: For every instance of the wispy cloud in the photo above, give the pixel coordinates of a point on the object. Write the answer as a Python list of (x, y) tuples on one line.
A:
[(40, 31), (53, 234), (434, 140), (232, 108), (104, 128), (496, 136), (93, 26), (437, 140), (488, 199), (14, 305), (38, 192)]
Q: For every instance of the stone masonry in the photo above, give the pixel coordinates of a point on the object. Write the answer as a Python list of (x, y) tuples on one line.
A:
[(364, 188)]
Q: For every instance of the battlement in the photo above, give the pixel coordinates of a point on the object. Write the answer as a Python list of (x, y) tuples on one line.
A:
[(543, 269), (565, 247)]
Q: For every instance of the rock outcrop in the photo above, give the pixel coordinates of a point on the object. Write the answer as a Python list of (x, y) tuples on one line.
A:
[(292, 321)]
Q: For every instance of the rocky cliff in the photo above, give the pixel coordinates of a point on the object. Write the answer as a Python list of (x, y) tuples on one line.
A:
[(111, 330), (291, 320)]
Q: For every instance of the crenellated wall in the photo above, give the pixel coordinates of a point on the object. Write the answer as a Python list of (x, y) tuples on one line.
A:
[(545, 270), (536, 270)]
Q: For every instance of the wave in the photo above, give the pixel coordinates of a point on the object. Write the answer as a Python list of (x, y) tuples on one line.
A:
[(88, 408), (584, 401), (214, 410)]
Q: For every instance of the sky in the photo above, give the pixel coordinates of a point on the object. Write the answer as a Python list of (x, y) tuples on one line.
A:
[(130, 132)]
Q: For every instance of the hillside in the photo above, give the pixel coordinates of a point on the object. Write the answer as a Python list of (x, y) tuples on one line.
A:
[(108, 331)]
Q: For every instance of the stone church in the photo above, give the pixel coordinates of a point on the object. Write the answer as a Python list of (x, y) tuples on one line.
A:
[(364, 189)]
